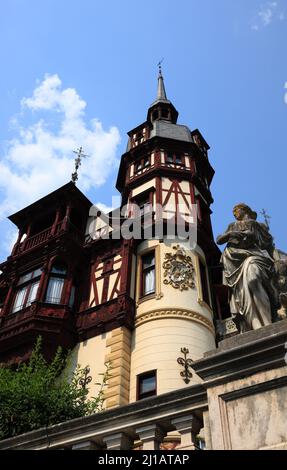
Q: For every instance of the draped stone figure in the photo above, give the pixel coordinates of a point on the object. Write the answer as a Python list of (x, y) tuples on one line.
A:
[(249, 270)]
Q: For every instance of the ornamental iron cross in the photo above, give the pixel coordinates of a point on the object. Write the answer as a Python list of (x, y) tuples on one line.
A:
[(78, 161), (267, 218)]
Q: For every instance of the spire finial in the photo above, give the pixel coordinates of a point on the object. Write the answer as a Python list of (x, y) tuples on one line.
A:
[(161, 94), (78, 162), (159, 67)]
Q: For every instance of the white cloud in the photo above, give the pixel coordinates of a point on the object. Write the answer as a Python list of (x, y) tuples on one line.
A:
[(39, 159), (269, 12)]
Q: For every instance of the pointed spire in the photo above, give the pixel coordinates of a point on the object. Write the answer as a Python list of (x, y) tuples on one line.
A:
[(161, 94), (162, 108)]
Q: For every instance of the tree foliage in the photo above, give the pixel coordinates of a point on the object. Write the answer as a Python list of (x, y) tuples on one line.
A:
[(39, 394)]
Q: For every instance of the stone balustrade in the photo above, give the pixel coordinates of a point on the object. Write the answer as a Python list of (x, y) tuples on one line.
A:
[(140, 425)]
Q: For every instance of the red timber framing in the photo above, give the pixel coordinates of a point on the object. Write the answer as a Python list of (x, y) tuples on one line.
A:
[(108, 303)]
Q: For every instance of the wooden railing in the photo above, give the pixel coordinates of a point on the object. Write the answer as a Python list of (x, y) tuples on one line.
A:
[(39, 238)]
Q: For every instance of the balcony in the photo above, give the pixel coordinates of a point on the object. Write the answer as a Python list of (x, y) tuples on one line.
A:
[(46, 235), (19, 331)]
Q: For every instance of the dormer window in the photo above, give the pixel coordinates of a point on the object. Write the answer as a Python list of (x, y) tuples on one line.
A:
[(164, 113), (139, 137), (27, 289), (155, 115)]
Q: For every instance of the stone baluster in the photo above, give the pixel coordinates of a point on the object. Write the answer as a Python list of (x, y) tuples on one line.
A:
[(118, 441), (151, 436), (188, 427)]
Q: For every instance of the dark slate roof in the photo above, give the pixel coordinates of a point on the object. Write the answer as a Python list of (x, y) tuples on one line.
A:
[(166, 129), (63, 193)]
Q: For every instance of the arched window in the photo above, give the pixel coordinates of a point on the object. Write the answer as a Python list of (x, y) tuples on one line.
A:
[(27, 288), (56, 284)]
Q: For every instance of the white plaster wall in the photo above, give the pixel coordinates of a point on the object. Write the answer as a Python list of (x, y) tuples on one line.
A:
[(156, 346)]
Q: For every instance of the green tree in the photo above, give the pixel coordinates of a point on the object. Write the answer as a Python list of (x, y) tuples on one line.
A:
[(39, 394)]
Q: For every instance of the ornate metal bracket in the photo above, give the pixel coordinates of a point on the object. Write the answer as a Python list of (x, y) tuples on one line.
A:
[(186, 363), (84, 381)]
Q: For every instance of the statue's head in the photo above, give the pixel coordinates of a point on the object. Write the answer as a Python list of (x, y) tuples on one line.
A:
[(241, 210)]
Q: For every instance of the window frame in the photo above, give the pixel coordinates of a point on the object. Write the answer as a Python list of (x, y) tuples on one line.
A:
[(171, 159), (144, 199), (142, 164), (143, 272), (140, 378), (28, 286), (56, 276), (204, 291)]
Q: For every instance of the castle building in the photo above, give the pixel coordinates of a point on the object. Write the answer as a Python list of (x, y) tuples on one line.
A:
[(137, 302)]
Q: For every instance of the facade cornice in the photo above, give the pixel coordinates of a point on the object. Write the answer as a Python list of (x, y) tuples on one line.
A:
[(164, 313)]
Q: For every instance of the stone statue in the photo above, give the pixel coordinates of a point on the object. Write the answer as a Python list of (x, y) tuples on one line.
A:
[(249, 270)]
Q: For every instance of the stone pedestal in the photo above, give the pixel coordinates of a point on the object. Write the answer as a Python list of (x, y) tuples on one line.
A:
[(246, 381)]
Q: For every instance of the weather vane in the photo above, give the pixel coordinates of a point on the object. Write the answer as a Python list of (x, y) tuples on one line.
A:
[(78, 162), (159, 65), (267, 218)]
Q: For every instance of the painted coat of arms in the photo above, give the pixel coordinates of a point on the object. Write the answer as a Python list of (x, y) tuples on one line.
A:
[(178, 269)]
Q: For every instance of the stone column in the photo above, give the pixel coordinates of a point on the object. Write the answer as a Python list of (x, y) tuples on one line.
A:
[(86, 445), (118, 441), (188, 426), (151, 436)]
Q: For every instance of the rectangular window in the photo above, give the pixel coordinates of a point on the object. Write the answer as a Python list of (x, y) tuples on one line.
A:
[(146, 162), (54, 291), (169, 158), (32, 292), (146, 385), (143, 163), (176, 159), (19, 301), (148, 273), (204, 282), (27, 292)]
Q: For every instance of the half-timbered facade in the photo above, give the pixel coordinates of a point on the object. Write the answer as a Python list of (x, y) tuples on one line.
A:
[(133, 301)]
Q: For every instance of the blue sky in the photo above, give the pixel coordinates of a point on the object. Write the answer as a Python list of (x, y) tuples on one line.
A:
[(84, 73)]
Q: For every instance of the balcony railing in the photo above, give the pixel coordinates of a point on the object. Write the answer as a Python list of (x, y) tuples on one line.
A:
[(42, 237)]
